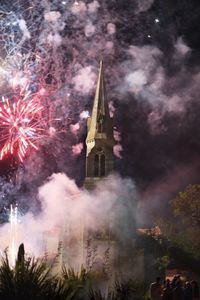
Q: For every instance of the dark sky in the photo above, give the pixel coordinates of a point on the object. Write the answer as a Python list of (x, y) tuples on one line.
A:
[(151, 52)]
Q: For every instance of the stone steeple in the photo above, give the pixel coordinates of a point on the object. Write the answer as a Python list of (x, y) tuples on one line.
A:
[(99, 141)]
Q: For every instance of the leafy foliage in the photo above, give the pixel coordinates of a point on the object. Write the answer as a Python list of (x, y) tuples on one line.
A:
[(186, 209), (163, 262), (186, 205), (27, 280), (121, 291), (77, 281), (183, 229), (33, 279)]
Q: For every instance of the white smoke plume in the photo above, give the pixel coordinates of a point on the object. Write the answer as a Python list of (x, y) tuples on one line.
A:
[(24, 29), (85, 80), (75, 128), (89, 29), (181, 48), (146, 79), (143, 5), (79, 8), (63, 205), (77, 149), (117, 149), (111, 28), (52, 16), (84, 114)]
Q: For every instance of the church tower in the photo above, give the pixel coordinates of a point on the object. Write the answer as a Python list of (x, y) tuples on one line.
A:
[(99, 141), (116, 253)]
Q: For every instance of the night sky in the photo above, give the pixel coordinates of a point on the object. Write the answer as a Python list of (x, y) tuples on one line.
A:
[(151, 53)]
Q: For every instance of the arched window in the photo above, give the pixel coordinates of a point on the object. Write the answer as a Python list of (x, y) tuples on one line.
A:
[(102, 165), (100, 126), (96, 165), (99, 165)]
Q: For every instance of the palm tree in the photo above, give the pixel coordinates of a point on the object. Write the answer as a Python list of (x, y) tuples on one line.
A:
[(77, 281)]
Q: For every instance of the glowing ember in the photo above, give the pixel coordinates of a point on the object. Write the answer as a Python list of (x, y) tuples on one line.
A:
[(19, 126)]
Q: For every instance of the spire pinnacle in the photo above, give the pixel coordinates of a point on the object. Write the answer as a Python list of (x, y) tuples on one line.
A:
[(100, 109)]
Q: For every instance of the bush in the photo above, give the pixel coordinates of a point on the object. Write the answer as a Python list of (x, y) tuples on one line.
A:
[(32, 279)]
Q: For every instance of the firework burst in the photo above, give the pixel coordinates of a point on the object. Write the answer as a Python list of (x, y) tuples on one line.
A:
[(19, 126)]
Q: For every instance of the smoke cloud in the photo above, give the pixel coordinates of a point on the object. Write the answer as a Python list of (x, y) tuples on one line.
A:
[(77, 149), (84, 81), (63, 205)]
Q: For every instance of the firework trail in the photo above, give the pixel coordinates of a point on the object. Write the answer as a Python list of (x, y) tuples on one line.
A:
[(13, 233), (20, 126)]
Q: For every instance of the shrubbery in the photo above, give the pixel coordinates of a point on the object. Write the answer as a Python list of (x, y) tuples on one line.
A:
[(33, 279)]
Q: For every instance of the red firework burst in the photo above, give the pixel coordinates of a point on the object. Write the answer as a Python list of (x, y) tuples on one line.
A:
[(19, 126)]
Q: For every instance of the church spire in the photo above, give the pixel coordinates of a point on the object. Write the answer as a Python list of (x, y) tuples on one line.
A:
[(100, 113), (99, 141)]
